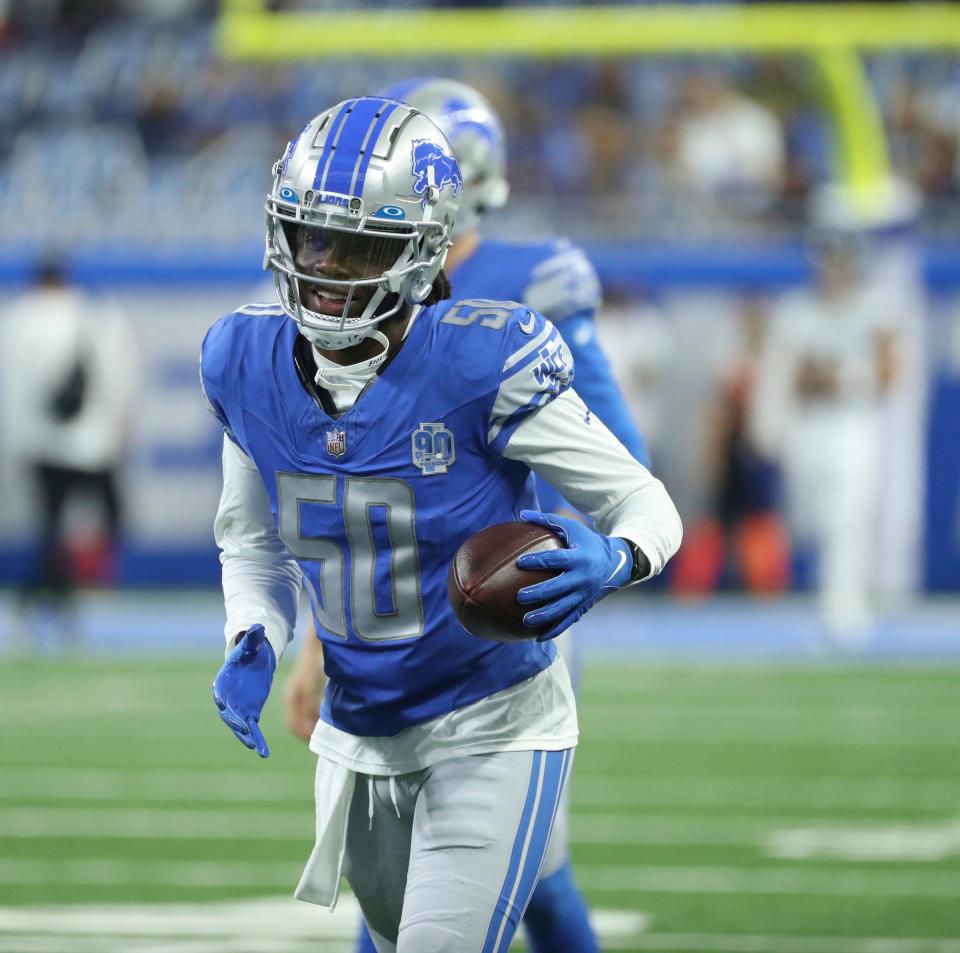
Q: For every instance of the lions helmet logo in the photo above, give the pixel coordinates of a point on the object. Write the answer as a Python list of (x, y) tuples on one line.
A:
[(431, 166)]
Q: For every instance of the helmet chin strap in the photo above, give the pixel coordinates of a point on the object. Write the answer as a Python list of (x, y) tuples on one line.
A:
[(354, 376), (350, 376)]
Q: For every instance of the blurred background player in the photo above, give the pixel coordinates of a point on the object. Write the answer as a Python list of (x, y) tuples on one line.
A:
[(69, 372), (556, 279), (834, 354)]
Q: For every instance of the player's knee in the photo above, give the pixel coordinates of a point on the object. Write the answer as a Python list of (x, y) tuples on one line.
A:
[(435, 937), (446, 912)]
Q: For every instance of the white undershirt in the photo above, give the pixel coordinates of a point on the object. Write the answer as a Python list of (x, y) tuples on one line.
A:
[(560, 442)]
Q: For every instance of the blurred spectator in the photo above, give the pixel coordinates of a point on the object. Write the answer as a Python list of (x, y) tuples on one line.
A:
[(723, 147), (744, 540), (927, 119), (69, 378), (71, 19), (610, 142), (163, 124), (623, 146), (832, 356)]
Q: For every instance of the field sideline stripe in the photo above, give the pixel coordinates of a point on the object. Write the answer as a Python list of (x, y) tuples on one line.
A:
[(216, 824)]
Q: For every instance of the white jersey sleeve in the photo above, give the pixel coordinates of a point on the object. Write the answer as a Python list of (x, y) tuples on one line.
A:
[(261, 580), (572, 449), (538, 366)]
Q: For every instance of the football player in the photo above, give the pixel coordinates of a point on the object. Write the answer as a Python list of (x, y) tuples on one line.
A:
[(372, 425), (558, 280)]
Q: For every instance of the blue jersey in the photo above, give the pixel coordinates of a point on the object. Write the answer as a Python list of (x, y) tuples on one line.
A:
[(556, 279), (374, 503)]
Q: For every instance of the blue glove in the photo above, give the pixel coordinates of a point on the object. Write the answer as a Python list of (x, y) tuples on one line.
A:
[(593, 566), (242, 685)]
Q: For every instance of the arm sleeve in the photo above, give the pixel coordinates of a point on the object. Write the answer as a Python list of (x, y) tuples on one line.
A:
[(574, 450), (597, 386), (261, 580)]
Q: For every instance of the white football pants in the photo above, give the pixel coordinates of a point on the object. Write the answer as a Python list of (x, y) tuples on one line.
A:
[(444, 860)]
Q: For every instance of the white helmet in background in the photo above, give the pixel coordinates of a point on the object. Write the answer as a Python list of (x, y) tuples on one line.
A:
[(474, 131), (360, 218)]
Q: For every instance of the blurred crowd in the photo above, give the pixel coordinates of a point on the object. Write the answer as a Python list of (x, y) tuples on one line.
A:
[(130, 98)]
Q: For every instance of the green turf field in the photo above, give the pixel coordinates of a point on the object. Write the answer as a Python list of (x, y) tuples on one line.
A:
[(766, 810)]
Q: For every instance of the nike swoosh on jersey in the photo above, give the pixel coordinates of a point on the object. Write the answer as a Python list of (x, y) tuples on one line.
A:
[(528, 325)]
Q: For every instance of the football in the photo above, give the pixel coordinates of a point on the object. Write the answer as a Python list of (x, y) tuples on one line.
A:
[(484, 579)]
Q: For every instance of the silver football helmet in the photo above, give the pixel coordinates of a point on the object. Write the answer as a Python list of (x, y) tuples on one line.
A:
[(360, 218), (474, 130)]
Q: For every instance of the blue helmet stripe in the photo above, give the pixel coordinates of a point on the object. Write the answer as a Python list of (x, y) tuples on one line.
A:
[(335, 128), (368, 148), (346, 150)]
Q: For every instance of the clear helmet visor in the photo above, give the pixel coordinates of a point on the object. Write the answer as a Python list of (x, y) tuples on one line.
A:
[(338, 255), (332, 266)]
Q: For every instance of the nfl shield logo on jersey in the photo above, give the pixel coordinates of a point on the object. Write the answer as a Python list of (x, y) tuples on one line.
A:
[(336, 442), (433, 449)]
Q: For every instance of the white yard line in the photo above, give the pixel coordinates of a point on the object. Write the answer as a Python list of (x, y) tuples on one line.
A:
[(858, 792), (865, 843), (768, 880), (155, 782), (598, 733), (281, 925), (72, 944), (230, 825), (163, 824), (778, 834), (109, 786), (280, 917), (618, 734), (163, 873), (615, 879), (734, 943), (271, 925), (131, 696), (707, 732)]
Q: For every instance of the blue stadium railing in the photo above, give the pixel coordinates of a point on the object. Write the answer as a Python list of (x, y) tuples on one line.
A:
[(645, 265)]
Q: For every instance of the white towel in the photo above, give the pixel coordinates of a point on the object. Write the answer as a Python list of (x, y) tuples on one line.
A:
[(320, 882)]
